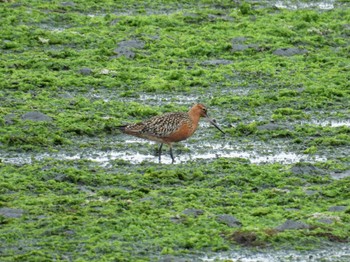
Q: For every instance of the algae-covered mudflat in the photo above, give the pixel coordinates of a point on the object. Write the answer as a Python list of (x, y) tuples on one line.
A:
[(274, 74)]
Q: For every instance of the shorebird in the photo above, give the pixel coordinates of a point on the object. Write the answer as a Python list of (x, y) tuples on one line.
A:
[(169, 127)]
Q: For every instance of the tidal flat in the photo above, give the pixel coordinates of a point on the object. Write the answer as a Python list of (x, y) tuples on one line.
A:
[(274, 74)]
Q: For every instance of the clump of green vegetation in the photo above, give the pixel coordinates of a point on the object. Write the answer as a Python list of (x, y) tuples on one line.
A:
[(105, 210)]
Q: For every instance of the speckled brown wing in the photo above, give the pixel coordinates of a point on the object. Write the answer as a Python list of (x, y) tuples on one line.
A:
[(159, 126)]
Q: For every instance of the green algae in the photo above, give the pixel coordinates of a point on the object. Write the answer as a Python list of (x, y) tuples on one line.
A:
[(77, 210), (135, 215)]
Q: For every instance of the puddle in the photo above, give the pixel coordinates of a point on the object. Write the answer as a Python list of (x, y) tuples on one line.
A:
[(342, 175), (334, 253), (178, 99), (331, 123), (323, 5), (149, 99), (135, 158), (195, 152)]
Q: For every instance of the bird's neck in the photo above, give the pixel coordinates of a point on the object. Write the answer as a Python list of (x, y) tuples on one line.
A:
[(194, 118)]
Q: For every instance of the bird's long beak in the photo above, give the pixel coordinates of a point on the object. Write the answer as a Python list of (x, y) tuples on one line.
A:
[(211, 121)]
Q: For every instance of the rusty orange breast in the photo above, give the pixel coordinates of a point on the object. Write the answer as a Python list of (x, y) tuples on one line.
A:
[(182, 133)]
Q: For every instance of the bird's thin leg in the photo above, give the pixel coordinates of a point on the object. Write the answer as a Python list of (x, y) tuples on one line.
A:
[(160, 151), (171, 154)]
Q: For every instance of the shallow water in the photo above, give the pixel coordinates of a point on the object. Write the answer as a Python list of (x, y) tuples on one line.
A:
[(341, 175), (335, 253), (331, 122), (323, 5), (199, 151)]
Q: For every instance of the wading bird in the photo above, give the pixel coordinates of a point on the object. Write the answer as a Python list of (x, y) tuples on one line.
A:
[(170, 127)]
